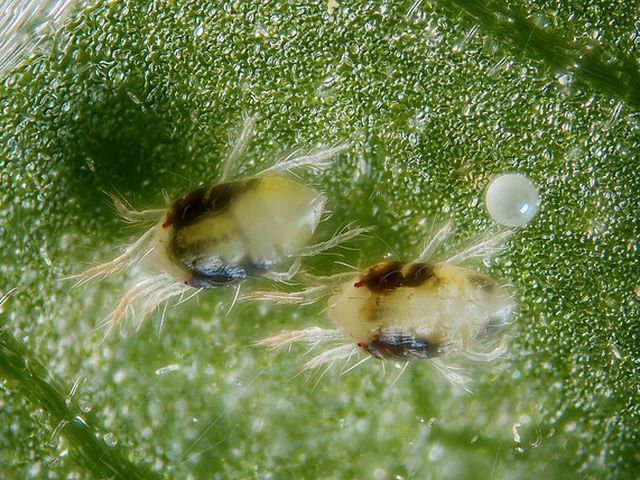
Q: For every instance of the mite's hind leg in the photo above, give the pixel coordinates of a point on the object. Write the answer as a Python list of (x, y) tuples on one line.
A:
[(312, 336), (132, 254), (134, 216), (318, 158), (239, 147), (345, 234)]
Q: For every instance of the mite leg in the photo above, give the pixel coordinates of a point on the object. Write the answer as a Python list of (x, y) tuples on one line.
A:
[(497, 352), (481, 249), (303, 297), (146, 287), (132, 254), (321, 287), (455, 376), (135, 216), (170, 289), (433, 243), (318, 158), (154, 288), (239, 147), (312, 336), (345, 234), (284, 276), (330, 356), (326, 281)]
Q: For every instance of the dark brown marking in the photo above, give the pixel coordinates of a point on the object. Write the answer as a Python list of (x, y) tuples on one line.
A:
[(417, 274), (483, 282), (207, 270), (384, 277), (207, 200)]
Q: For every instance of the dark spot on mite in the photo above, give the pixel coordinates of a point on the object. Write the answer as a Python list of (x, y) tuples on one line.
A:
[(482, 282), (206, 268), (384, 277), (223, 275), (401, 347), (418, 274), (207, 200)]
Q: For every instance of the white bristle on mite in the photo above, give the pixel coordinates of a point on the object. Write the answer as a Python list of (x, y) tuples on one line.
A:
[(405, 310), (221, 235)]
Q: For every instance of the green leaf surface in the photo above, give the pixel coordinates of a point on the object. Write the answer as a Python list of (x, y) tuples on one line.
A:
[(144, 99)]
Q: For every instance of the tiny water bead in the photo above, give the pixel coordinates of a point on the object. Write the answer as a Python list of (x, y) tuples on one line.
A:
[(512, 200)]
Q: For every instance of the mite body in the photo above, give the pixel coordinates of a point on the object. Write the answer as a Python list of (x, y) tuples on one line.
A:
[(223, 234), (229, 232), (404, 310)]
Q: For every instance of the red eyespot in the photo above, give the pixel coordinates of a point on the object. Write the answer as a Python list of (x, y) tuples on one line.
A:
[(359, 283), (167, 222), (363, 346)]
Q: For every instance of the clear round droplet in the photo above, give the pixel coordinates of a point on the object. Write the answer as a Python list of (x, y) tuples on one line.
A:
[(512, 200), (110, 439)]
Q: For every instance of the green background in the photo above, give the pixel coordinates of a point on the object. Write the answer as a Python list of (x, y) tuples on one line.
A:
[(142, 99)]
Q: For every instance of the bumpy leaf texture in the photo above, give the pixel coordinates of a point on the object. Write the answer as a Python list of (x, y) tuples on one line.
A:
[(436, 98)]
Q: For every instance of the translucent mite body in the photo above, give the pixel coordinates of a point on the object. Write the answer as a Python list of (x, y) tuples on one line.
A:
[(223, 234), (226, 233), (404, 310)]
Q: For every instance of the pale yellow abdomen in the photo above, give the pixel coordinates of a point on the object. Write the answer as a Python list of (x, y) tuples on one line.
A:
[(234, 230), (410, 309)]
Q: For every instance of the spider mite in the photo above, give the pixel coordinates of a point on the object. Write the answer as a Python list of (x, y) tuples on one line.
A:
[(222, 234), (404, 310)]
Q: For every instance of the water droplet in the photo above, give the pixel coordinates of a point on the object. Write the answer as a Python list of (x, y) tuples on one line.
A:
[(169, 368), (514, 432), (85, 406), (110, 439), (565, 79), (436, 452)]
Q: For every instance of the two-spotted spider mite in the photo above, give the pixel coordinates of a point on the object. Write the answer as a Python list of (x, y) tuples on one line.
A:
[(402, 311), (223, 234)]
